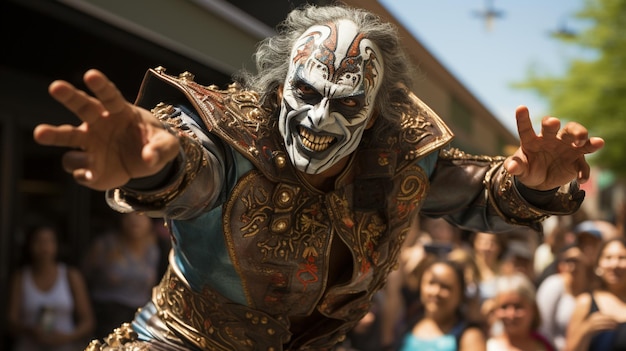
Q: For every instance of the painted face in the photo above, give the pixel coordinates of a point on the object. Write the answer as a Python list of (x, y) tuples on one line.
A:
[(328, 95)]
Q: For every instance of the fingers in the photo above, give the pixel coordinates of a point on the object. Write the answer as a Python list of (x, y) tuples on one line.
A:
[(64, 135), (43, 134), (584, 170), (73, 160), (550, 127), (524, 125), (87, 108), (578, 136), (590, 145), (514, 165), (594, 145), (107, 99), (574, 134), (78, 163), (162, 148), (108, 94)]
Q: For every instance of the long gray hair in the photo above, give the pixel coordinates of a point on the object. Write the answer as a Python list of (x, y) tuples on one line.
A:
[(272, 55)]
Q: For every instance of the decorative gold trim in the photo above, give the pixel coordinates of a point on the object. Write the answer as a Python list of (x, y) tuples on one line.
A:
[(425, 119), (123, 338), (211, 322), (502, 192)]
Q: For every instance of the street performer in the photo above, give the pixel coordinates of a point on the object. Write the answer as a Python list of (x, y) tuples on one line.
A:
[(289, 193)]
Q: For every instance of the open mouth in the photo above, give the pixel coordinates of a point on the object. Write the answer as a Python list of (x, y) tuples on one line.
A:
[(313, 141)]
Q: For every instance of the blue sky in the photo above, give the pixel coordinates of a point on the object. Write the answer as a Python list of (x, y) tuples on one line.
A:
[(488, 61)]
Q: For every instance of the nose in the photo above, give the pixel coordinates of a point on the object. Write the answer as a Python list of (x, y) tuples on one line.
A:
[(433, 290), (319, 115)]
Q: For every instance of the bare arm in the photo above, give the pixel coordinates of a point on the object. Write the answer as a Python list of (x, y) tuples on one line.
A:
[(473, 339), (15, 305), (583, 326)]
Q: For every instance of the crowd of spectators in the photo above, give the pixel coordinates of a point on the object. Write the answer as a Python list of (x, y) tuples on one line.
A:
[(57, 306), (561, 289)]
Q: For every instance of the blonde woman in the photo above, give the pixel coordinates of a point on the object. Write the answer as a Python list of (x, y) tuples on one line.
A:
[(516, 312)]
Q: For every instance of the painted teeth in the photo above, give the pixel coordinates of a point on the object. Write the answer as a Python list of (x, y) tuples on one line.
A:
[(315, 142)]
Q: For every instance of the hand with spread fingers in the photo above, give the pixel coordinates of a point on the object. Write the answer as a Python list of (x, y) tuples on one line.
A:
[(116, 140), (554, 157)]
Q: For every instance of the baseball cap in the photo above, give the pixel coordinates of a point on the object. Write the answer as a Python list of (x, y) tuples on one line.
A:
[(588, 227)]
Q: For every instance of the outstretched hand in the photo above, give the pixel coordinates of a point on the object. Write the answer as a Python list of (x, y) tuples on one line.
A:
[(116, 140), (555, 156)]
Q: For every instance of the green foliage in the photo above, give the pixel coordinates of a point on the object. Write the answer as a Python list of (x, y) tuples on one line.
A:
[(593, 89)]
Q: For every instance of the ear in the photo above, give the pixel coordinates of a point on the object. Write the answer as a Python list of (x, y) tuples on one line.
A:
[(372, 120)]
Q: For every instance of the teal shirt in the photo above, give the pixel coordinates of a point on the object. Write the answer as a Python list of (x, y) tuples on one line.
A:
[(447, 342), (442, 343)]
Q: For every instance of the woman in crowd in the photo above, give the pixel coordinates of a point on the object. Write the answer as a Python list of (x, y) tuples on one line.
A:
[(556, 296), (121, 268), (599, 319), (442, 324), (517, 315), (49, 306)]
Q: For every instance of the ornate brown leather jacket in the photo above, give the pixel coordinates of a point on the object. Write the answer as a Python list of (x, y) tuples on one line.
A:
[(282, 236)]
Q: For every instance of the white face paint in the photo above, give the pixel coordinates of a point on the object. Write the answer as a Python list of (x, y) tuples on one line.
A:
[(328, 96)]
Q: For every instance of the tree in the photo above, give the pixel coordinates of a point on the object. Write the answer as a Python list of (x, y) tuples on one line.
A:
[(593, 89)]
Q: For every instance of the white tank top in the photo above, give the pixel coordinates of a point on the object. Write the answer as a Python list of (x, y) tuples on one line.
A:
[(54, 308)]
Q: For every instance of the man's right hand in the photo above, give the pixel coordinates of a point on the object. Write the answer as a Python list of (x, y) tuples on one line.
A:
[(116, 140)]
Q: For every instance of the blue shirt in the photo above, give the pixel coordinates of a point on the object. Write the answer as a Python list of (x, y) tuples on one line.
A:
[(447, 342)]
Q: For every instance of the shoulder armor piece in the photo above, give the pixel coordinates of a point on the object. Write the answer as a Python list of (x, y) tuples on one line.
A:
[(387, 151), (233, 114)]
